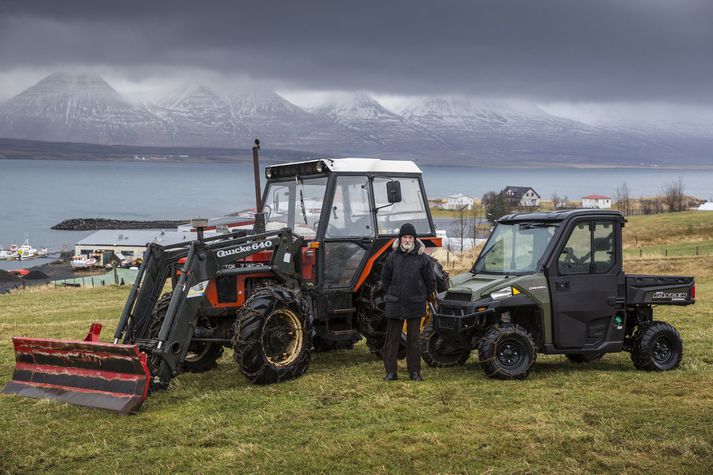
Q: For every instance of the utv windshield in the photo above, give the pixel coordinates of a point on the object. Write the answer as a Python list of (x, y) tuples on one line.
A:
[(295, 204), (515, 249)]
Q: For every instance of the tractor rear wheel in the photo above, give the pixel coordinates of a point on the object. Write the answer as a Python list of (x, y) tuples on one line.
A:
[(273, 336), (581, 358), (507, 352), (438, 353), (201, 356), (371, 317), (657, 347)]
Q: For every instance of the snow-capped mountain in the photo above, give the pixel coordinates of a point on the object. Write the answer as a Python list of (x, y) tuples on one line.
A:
[(385, 130), (198, 116), (436, 130), (78, 108)]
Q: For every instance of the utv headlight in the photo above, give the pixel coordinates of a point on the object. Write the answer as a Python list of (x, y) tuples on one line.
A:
[(503, 293)]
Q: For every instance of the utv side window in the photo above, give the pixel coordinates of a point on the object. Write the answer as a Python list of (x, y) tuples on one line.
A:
[(603, 246), (576, 256), (590, 249)]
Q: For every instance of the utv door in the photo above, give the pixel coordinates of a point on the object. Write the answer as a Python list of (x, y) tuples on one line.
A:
[(586, 284)]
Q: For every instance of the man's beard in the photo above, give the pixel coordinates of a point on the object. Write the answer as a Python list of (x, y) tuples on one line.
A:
[(407, 247)]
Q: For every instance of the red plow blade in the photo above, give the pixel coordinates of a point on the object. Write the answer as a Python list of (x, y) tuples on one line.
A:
[(84, 373)]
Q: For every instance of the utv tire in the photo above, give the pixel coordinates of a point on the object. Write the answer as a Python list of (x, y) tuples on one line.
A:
[(584, 357), (201, 356), (657, 346), (507, 352), (273, 336), (437, 353)]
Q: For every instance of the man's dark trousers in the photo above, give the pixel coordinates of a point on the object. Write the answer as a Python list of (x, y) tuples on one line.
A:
[(413, 347)]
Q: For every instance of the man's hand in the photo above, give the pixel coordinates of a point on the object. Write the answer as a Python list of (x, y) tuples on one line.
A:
[(432, 297)]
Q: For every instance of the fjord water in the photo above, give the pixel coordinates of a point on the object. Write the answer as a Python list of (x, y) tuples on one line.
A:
[(36, 194)]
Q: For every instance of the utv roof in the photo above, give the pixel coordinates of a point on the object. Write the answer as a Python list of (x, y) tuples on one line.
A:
[(561, 215), (358, 165)]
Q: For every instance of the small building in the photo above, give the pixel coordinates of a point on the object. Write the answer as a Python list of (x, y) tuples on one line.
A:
[(521, 196), (458, 201), (596, 201), (707, 206), (131, 244)]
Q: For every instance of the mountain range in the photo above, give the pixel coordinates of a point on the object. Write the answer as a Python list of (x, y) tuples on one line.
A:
[(436, 130)]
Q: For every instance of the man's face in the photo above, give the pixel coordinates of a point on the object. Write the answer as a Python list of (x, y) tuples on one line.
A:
[(407, 240)]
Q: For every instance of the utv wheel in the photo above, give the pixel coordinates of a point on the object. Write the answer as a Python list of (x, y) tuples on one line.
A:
[(585, 357), (273, 336), (657, 347), (507, 352), (201, 356), (438, 353)]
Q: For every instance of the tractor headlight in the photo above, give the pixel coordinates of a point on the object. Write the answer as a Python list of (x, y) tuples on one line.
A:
[(319, 168), (268, 172), (503, 293)]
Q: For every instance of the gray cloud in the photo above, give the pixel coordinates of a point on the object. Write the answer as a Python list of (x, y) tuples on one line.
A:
[(599, 50)]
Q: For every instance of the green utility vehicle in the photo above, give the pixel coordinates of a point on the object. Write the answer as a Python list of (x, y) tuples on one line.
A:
[(553, 283)]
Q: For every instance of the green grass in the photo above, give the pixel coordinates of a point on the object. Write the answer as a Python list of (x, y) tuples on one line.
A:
[(340, 417)]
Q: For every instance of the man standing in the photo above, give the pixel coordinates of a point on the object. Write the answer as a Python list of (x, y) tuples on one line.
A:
[(408, 280)]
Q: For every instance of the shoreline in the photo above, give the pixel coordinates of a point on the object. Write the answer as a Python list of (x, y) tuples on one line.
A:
[(97, 224)]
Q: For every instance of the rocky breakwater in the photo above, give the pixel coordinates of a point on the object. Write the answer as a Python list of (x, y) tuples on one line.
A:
[(94, 224)]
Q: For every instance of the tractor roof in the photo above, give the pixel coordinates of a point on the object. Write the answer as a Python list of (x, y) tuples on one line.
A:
[(561, 215), (371, 165), (341, 165)]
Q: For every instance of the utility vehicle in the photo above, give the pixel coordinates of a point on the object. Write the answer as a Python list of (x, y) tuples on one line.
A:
[(308, 277), (553, 283)]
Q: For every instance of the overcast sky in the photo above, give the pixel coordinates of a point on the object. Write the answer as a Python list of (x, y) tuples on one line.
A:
[(565, 51)]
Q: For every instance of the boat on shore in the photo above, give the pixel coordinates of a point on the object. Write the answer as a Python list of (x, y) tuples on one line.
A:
[(83, 262)]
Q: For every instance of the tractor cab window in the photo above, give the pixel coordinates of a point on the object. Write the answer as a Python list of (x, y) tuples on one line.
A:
[(515, 249), (411, 208), (350, 214), (295, 204)]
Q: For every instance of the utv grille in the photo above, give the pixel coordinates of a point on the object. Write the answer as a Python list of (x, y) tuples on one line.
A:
[(459, 296)]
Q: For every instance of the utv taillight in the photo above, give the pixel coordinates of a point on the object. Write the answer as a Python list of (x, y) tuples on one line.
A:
[(693, 291)]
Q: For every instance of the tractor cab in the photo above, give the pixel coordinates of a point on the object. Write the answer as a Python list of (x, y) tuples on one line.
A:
[(348, 211)]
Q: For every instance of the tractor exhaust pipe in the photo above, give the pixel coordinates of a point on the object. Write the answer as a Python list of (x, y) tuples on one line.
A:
[(259, 215)]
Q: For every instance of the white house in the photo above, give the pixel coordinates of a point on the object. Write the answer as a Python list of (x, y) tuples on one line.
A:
[(596, 201), (458, 201), (707, 206), (521, 196)]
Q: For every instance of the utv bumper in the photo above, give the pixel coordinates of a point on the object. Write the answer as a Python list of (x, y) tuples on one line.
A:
[(459, 325)]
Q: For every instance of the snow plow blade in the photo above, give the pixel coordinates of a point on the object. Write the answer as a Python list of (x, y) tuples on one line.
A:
[(85, 373)]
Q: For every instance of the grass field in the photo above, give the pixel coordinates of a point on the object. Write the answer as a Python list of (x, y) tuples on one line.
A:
[(340, 417)]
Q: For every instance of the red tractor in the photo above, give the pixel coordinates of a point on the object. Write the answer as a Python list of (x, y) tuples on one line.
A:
[(306, 279)]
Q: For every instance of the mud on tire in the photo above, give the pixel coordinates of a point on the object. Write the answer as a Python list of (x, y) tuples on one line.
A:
[(507, 352), (273, 336), (657, 346)]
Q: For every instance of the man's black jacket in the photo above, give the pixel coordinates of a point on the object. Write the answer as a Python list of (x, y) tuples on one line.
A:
[(408, 279)]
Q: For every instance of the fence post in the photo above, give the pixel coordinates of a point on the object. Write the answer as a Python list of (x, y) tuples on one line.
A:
[(92, 282), (696, 250), (665, 252), (641, 252), (116, 277)]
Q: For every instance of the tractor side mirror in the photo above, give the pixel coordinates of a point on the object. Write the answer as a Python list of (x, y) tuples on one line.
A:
[(393, 191)]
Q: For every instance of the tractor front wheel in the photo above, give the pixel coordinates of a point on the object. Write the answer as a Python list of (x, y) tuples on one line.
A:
[(273, 336), (438, 353), (507, 352), (657, 347)]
